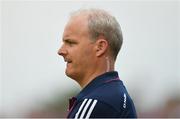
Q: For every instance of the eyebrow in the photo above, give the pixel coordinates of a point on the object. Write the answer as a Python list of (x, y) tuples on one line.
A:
[(66, 40), (69, 40)]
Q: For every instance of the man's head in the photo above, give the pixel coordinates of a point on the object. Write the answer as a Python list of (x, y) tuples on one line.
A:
[(101, 23), (90, 37)]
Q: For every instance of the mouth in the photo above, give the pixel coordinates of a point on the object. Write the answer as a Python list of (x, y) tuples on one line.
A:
[(68, 61)]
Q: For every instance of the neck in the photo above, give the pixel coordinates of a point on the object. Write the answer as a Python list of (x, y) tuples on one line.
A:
[(98, 69)]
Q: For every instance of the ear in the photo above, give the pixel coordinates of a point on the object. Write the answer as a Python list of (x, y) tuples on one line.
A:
[(101, 47)]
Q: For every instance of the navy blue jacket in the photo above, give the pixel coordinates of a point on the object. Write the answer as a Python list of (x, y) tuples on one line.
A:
[(105, 96)]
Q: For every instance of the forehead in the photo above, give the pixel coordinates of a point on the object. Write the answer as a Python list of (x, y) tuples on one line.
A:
[(77, 25)]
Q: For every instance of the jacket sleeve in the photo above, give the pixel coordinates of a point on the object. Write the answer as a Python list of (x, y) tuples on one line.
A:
[(92, 108)]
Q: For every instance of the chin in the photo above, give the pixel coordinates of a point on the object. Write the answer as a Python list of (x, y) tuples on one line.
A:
[(71, 75)]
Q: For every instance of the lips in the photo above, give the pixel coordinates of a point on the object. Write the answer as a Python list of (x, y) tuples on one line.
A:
[(68, 61)]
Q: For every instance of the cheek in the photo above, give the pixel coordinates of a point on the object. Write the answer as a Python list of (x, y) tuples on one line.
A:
[(87, 55), (83, 55), (87, 49)]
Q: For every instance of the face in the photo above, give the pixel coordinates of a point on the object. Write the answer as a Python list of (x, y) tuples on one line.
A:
[(77, 49)]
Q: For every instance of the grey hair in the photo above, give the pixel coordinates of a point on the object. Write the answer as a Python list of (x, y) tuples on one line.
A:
[(100, 22)]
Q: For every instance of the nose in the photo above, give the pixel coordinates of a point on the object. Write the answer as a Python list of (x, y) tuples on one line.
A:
[(62, 51)]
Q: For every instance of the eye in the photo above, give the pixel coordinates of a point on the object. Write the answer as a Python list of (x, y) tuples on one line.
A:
[(69, 42)]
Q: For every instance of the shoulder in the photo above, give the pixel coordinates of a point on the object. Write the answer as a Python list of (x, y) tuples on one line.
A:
[(109, 100), (111, 94)]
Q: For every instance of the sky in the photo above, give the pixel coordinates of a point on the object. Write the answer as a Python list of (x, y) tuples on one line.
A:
[(31, 32)]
